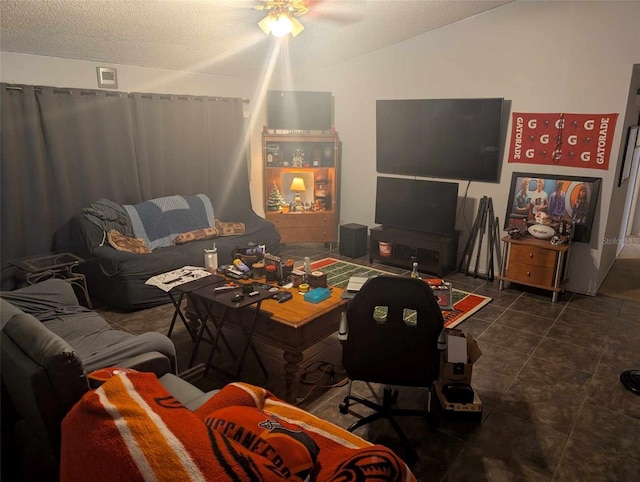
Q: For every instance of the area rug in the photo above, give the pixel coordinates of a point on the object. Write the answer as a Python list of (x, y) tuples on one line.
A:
[(338, 273)]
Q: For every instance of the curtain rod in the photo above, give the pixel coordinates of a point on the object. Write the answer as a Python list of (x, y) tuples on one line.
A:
[(59, 90)]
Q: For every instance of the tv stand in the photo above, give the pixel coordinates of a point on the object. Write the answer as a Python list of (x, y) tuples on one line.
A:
[(435, 253)]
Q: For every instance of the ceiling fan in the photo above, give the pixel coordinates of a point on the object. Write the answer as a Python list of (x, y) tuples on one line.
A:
[(281, 19)]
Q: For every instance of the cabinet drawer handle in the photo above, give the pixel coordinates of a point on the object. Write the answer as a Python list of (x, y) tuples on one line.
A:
[(529, 274), (531, 255)]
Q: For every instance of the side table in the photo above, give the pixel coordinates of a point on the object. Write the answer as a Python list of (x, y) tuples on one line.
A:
[(534, 262), (53, 265), (177, 294), (209, 302)]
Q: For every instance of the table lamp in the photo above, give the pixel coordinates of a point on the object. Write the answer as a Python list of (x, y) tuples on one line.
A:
[(297, 186)]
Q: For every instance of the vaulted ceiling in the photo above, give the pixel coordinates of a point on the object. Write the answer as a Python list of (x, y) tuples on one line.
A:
[(217, 36)]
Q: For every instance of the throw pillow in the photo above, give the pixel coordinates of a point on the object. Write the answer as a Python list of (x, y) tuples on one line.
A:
[(196, 235), (229, 228), (121, 242)]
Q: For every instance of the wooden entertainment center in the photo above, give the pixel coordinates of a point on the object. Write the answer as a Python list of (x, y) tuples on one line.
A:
[(436, 254), (312, 158)]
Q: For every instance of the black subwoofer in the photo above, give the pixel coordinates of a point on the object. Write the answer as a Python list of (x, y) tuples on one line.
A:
[(353, 240)]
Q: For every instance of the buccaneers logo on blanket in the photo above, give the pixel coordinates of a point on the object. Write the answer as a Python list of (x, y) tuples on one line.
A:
[(368, 465), (282, 447)]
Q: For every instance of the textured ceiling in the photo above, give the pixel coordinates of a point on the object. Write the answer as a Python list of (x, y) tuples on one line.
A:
[(216, 36)]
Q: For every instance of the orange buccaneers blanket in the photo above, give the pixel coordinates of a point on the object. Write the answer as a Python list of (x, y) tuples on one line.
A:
[(132, 429)]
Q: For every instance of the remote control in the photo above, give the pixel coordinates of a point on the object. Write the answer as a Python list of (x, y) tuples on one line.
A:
[(283, 296), (254, 293)]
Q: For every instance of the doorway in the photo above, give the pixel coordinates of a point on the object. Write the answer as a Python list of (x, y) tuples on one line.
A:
[(630, 225)]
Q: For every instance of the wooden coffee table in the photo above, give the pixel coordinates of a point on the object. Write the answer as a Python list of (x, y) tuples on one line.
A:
[(292, 326)]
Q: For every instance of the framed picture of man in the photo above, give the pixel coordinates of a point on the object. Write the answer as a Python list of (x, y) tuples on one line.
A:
[(553, 198)]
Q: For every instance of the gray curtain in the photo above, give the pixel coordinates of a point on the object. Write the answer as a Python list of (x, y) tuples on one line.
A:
[(63, 149), (204, 152)]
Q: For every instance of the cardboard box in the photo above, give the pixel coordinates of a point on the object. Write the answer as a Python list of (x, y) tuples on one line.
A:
[(459, 411), (456, 363)]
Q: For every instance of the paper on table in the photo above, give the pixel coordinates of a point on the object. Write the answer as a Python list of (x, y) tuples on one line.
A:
[(169, 280), (356, 282)]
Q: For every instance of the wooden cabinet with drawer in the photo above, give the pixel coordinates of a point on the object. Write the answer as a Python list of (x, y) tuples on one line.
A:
[(302, 184), (536, 263), (305, 228)]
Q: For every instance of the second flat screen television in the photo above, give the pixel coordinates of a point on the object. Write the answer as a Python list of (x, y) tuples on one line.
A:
[(447, 138), (301, 110), (425, 206)]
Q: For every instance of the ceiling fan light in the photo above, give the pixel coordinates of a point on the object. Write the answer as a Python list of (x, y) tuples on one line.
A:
[(282, 25)]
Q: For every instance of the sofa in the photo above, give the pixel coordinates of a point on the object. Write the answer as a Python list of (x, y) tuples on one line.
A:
[(125, 245), (49, 346), (132, 429)]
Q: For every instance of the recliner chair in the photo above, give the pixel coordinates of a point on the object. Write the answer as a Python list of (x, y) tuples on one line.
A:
[(49, 343), (393, 328)]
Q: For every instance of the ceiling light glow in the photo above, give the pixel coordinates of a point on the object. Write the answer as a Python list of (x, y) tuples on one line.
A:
[(280, 23)]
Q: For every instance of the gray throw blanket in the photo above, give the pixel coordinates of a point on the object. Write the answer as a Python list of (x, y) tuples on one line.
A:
[(109, 215)]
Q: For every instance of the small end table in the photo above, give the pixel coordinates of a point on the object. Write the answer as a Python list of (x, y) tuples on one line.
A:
[(534, 262), (177, 294), (53, 265), (206, 300)]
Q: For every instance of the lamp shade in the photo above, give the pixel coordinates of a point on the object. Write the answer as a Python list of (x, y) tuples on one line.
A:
[(297, 185), (280, 24)]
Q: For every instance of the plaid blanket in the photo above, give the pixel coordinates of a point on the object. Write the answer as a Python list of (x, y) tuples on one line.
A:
[(158, 221), (132, 429)]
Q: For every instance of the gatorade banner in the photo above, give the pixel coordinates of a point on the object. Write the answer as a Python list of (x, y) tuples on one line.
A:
[(572, 140)]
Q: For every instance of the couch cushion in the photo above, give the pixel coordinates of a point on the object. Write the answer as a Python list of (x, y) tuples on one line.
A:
[(159, 221), (99, 345), (43, 297)]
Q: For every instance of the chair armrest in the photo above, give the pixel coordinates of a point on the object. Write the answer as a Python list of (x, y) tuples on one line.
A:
[(186, 393), (152, 361)]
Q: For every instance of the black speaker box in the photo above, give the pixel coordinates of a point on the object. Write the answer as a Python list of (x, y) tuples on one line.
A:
[(353, 240)]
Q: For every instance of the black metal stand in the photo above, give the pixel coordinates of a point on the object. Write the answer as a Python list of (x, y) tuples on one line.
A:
[(485, 224)]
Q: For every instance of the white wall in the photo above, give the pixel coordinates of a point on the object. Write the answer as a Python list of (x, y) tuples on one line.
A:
[(58, 72), (573, 57)]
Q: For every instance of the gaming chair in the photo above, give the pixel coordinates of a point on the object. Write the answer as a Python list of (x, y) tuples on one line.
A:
[(393, 327)]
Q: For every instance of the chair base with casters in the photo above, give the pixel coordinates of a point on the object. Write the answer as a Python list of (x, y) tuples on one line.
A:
[(387, 411)]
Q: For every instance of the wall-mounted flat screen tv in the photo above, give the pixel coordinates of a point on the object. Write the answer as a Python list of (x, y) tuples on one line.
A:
[(447, 138), (299, 110), (416, 205)]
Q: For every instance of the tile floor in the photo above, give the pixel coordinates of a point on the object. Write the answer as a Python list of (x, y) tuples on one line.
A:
[(554, 408)]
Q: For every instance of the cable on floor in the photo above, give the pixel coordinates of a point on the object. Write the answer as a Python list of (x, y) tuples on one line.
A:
[(321, 369)]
